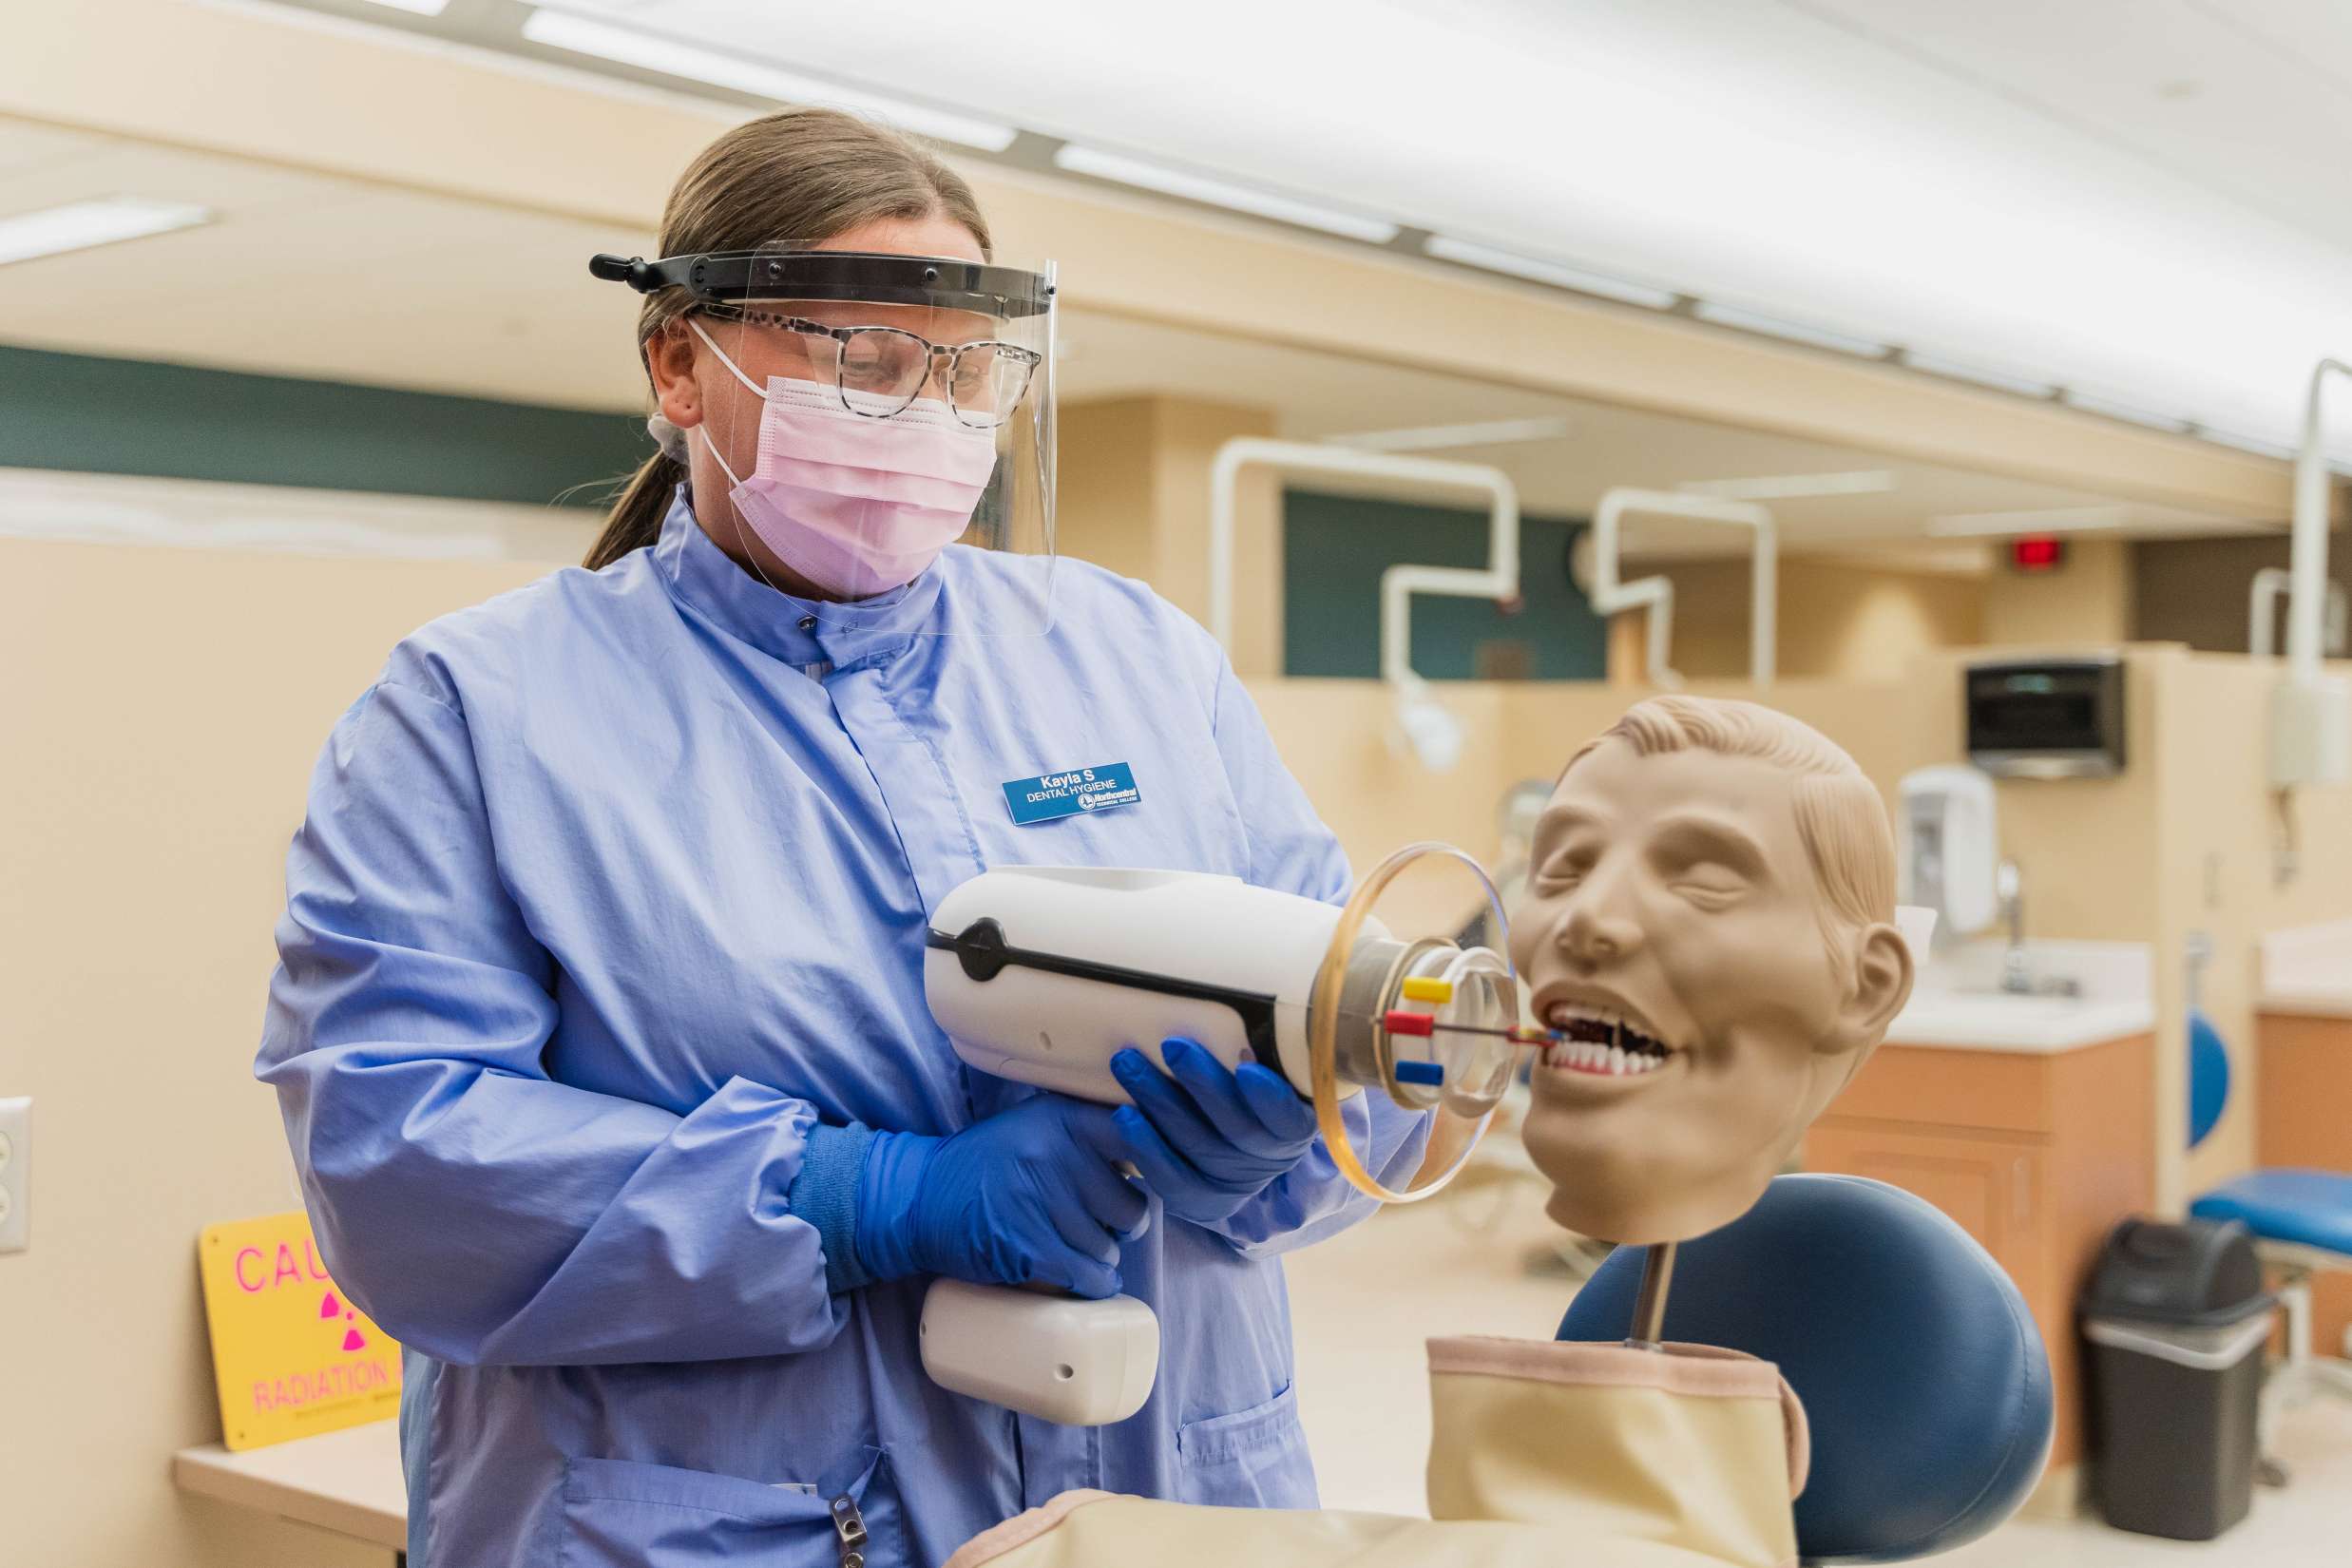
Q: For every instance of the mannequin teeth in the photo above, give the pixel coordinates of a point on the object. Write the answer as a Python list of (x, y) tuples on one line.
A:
[(1579, 1056), (1609, 1030)]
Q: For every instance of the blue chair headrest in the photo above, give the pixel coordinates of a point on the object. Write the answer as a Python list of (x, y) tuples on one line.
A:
[(1923, 1375), (2209, 1077)]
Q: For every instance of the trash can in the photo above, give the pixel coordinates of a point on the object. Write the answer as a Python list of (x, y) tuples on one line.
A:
[(2177, 1319)]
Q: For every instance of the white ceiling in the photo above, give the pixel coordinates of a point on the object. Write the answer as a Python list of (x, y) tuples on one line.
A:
[(2149, 201), (310, 275), (2249, 99)]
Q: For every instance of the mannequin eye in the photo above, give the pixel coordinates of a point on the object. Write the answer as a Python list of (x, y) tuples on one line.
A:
[(1709, 887), (1563, 869)]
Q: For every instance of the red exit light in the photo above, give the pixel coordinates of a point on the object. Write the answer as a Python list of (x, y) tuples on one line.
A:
[(2040, 553)]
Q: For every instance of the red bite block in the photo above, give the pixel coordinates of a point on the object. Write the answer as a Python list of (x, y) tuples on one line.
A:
[(1410, 1023)]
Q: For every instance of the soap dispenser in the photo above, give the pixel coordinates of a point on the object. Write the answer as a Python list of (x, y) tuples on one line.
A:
[(1948, 848)]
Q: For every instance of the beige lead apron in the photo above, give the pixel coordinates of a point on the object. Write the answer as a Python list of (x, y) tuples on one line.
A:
[(1541, 1454)]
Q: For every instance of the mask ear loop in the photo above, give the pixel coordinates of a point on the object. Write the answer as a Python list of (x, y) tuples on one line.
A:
[(750, 553)]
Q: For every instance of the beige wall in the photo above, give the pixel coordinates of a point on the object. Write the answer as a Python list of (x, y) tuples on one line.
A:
[(1134, 486), (1835, 621), (2216, 853), (2087, 601), (160, 727)]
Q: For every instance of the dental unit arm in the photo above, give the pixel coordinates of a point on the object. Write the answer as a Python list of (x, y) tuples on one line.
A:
[(1042, 974)]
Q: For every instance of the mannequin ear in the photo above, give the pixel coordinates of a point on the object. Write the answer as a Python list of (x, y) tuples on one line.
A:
[(1882, 983), (669, 362)]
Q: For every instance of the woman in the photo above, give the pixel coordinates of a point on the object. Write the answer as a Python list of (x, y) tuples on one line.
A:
[(600, 1031)]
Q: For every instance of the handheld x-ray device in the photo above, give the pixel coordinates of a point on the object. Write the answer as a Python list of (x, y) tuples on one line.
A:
[(1041, 974)]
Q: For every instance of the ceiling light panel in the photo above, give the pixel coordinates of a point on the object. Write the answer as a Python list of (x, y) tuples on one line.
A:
[(80, 225), (743, 71), (1147, 174)]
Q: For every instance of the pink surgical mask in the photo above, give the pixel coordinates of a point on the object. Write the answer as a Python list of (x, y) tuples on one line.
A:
[(857, 506)]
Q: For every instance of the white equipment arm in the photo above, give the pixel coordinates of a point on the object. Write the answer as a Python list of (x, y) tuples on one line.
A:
[(1656, 594), (1499, 580), (2309, 558), (2271, 585)]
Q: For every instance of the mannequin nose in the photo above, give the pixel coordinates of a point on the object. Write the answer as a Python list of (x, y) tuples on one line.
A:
[(1597, 933)]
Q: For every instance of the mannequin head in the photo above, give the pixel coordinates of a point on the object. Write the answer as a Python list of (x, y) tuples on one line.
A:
[(1711, 893)]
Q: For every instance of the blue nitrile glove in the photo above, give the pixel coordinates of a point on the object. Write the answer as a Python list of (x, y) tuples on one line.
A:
[(1205, 1140), (1034, 1193)]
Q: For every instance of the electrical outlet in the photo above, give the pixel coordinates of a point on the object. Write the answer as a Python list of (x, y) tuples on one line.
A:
[(16, 1175)]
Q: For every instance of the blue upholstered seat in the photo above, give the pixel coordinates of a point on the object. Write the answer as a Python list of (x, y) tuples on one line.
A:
[(1921, 1369), (2307, 1207)]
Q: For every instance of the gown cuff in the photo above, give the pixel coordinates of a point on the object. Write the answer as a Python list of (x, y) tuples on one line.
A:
[(825, 1194)]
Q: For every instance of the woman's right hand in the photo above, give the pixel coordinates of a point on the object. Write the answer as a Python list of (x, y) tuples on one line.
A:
[(1035, 1193)]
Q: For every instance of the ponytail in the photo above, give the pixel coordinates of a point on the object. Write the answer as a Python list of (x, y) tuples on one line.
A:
[(635, 521)]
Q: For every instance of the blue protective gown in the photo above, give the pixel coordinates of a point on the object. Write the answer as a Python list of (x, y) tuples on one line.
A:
[(613, 887)]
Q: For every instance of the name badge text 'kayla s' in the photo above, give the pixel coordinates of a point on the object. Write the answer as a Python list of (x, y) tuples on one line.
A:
[(1070, 792)]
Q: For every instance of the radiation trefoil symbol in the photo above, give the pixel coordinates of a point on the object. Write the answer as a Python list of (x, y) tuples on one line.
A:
[(332, 1307)]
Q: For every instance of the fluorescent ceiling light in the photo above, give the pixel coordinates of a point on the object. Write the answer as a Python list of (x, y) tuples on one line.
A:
[(1560, 276), (1492, 432), (1794, 331), (649, 51), (1785, 487), (2131, 413), (79, 225), (2044, 519), (2002, 380), (1194, 187)]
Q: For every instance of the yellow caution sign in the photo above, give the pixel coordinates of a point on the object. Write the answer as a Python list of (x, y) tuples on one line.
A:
[(290, 1355)]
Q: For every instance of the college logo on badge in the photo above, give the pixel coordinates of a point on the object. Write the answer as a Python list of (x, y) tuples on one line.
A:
[(1067, 793)]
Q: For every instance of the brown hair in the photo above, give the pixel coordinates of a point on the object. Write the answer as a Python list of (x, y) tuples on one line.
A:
[(798, 174), (1840, 815)]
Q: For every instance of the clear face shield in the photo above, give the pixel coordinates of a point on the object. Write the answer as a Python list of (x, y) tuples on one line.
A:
[(865, 415)]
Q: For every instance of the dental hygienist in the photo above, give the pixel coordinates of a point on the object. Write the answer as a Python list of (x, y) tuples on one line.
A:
[(599, 1029)]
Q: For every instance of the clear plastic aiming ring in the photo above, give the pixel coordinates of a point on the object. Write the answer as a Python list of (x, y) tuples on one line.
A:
[(1363, 979)]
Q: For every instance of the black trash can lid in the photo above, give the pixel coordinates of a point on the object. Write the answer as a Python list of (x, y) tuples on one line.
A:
[(2199, 1274)]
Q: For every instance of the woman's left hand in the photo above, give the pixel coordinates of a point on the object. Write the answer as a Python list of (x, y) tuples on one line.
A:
[(1205, 1140)]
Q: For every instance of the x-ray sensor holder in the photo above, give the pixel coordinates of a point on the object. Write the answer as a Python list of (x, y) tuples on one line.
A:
[(1043, 974)]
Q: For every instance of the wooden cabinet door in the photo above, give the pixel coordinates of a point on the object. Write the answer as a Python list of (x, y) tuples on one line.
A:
[(1990, 1185)]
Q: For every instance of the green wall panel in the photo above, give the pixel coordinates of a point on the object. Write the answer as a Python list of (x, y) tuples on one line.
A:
[(1335, 548), (98, 415)]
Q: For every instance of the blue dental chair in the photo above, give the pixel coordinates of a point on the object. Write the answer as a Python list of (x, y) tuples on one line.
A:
[(2302, 1222), (1923, 1375)]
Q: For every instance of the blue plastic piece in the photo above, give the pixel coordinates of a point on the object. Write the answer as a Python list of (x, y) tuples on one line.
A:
[(2307, 1207), (1420, 1072), (1921, 1374), (2209, 1077)]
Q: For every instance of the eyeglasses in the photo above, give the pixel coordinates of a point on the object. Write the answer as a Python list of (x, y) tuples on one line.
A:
[(887, 367)]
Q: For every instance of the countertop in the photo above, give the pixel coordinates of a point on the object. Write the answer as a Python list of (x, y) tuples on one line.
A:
[(1958, 1003), (2035, 1025), (347, 1482), (2307, 971), (2307, 1000)]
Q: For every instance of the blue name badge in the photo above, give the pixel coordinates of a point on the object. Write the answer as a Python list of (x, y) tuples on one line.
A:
[(1049, 796)]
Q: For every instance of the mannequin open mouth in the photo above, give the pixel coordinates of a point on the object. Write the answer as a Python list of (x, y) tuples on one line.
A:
[(1602, 1042)]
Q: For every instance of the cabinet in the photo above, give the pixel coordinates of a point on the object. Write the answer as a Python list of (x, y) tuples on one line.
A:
[(1990, 1184), (2037, 1156), (2302, 1086)]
